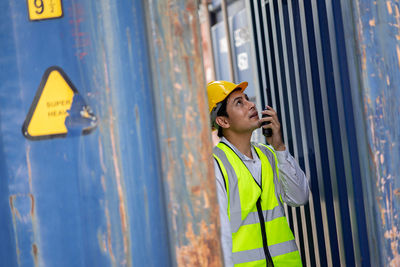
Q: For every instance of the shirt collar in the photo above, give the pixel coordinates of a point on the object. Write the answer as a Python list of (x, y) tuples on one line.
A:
[(240, 154)]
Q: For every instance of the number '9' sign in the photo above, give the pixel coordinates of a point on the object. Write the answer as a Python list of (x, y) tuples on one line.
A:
[(39, 5), (44, 9)]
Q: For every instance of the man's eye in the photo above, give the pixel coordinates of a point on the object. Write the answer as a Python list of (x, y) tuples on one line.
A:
[(239, 102)]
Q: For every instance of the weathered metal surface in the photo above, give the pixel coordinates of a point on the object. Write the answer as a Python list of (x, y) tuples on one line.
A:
[(377, 40), (184, 132), (92, 200)]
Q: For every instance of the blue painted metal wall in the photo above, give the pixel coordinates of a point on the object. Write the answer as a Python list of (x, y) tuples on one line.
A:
[(94, 200), (373, 48)]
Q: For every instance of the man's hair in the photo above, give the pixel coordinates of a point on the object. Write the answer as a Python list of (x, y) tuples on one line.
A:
[(222, 112)]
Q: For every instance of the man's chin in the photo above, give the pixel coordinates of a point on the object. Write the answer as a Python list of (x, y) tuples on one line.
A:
[(256, 126)]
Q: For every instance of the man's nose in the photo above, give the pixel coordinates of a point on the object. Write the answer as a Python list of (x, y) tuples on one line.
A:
[(251, 104)]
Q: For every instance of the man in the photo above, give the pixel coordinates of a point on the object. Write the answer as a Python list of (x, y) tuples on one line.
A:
[(253, 181)]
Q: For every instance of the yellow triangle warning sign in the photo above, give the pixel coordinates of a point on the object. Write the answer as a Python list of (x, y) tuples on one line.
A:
[(49, 110)]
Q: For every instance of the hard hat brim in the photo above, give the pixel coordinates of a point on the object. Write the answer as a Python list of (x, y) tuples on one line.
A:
[(242, 86), (218, 91)]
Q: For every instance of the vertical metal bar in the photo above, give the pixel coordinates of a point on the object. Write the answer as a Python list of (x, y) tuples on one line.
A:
[(328, 133), (254, 4), (304, 141), (204, 14), (184, 132), (272, 85), (343, 134), (253, 53), (278, 70), (228, 39), (291, 113), (315, 135), (279, 89)]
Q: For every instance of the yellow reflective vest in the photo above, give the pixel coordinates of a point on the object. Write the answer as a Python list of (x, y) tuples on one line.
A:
[(260, 233)]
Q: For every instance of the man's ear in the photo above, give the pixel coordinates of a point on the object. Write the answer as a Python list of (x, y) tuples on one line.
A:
[(222, 121)]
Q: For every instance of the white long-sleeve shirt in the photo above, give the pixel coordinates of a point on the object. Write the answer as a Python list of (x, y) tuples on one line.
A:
[(293, 188)]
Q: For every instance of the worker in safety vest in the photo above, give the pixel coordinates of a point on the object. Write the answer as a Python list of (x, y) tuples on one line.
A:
[(253, 182)]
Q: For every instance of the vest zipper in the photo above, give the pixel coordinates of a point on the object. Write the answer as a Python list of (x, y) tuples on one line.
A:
[(264, 234)]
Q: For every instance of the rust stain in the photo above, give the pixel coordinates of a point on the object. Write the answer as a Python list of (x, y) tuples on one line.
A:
[(13, 209), (382, 211), (389, 7), (109, 241), (35, 253), (395, 262), (364, 58), (14, 214), (372, 23), (32, 206), (396, 192), (187, 61), (121, 196), (398, 54), (102, 241), (202, 249), (188, 159), (178, 29), (196, 190)]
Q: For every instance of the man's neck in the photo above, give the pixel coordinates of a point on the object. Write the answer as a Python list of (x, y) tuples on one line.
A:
[(241, 142)]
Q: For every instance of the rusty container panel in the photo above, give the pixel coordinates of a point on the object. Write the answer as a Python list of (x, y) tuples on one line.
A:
[(184, 132), (88, 193), (377, 47)]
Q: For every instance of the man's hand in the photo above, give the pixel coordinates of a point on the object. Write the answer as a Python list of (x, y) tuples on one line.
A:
[(276, 139)]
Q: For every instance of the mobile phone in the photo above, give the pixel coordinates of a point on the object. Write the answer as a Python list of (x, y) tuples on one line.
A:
[(266, 132)]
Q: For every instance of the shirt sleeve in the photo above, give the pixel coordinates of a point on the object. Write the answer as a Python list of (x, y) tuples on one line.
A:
[(226, 235), (293, 181)]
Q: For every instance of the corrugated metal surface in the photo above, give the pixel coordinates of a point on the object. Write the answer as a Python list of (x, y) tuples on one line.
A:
[(184, 132), (308, 83)]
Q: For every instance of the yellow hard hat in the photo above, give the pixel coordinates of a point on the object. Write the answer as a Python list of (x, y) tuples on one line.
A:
[(217, 91)]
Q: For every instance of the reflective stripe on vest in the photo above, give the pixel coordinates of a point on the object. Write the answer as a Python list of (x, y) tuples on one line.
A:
[(243, 192)]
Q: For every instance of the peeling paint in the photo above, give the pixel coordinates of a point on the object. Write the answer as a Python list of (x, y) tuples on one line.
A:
[(372, 23), (14, 213), (22, 208), (199, 252), (389, 7), (35, 253)]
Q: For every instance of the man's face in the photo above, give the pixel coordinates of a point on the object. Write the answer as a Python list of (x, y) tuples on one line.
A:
[(243, 115)]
